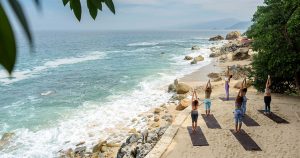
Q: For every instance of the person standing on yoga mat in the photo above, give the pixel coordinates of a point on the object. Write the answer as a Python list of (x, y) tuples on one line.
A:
[(207, 101), (238, 111), (194, 112), (227, 80), (267, 96), (244, 91)]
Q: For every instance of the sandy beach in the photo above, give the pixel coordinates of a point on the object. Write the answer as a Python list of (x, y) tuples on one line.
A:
[(275, 140)]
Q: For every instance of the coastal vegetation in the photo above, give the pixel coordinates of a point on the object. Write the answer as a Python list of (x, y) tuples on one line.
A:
[(276, 34)]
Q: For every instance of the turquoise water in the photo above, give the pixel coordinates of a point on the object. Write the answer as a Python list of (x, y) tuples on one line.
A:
[(75, 80)]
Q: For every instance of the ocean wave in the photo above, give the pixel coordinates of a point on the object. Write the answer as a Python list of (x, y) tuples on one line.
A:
[(143, 44), (25, 74), (92, 121)]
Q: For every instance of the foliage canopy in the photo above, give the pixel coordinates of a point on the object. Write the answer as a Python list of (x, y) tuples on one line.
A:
[(276, 34)]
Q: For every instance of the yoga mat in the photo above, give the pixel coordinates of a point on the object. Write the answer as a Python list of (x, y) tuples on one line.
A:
[(245, 140), (198, 138), (248, 121), (274, 117), (211, 121), (225, 99)]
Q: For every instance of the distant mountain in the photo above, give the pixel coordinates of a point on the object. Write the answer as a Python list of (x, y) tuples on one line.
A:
[(216, 24), (243, 25), (229, 23)]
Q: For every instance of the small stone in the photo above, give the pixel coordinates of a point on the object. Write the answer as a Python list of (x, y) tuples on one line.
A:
[(113, 145), (133, 130), (134, 120), (104, 149), (156, 118), (157, 110), (155, 124), (80, 143), (80, 150)]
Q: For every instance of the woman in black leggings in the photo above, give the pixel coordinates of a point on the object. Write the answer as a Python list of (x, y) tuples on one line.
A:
[(267, 97)]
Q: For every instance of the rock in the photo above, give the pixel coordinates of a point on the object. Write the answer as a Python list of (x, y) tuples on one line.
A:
[(133, 138), (162, 130), (155, 124), (150, 115), (195, 48), (156, 118), (238, 85), (194, 62), (157, 110), (152, 137), (182, 88), (111, 145), (5, 139), (176, 82), (217, 79), (184, 103), (213, 75), (171, 88), (80, 150), (133, 130), (179, 96), (241, 54), (80, 143), (163, 106), (213, 55), (134, 120), (188, 58), (98, 147), (233, 35), (103, 149), (69, 153), (216, 38), (199, 58)]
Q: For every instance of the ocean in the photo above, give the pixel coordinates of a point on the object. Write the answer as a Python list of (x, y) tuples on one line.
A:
[(79, 86)]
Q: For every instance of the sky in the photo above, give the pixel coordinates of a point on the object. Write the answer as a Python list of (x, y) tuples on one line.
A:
[(137, 14)]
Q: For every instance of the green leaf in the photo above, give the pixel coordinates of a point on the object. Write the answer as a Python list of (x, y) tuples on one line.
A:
[(76, 6), (7, 43), (110, 5), (65, 2), (17, 9), (92, 8)]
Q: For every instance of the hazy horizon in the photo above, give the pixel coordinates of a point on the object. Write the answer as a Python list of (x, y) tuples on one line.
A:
[(138, 15)]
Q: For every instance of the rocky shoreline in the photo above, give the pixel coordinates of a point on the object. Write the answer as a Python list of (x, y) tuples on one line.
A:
[(139, 143)]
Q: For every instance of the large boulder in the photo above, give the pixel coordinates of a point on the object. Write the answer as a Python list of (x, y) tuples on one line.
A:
[(184, 103), (182, 88), (238, 85), (195, 48), (216, 38), (194, 62), (241, 54), (188, 58), (199, 58), (233, 35)]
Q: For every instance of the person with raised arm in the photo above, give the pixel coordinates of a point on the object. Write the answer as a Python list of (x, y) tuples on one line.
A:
[(244, 91), (207, 101), (227, 81), (194, 112), (267, 96), (238, 111)]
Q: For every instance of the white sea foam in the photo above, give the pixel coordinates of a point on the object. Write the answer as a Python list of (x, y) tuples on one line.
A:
[(143, 44), (25, 74)]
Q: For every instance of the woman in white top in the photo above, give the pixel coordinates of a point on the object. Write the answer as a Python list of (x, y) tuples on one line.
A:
[(267, 96)]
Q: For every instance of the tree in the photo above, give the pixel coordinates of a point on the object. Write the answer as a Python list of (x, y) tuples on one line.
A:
[(276, 34), (8, 50)]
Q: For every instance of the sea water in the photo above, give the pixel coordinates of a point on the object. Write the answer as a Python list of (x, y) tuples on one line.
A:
[(73, 86)]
